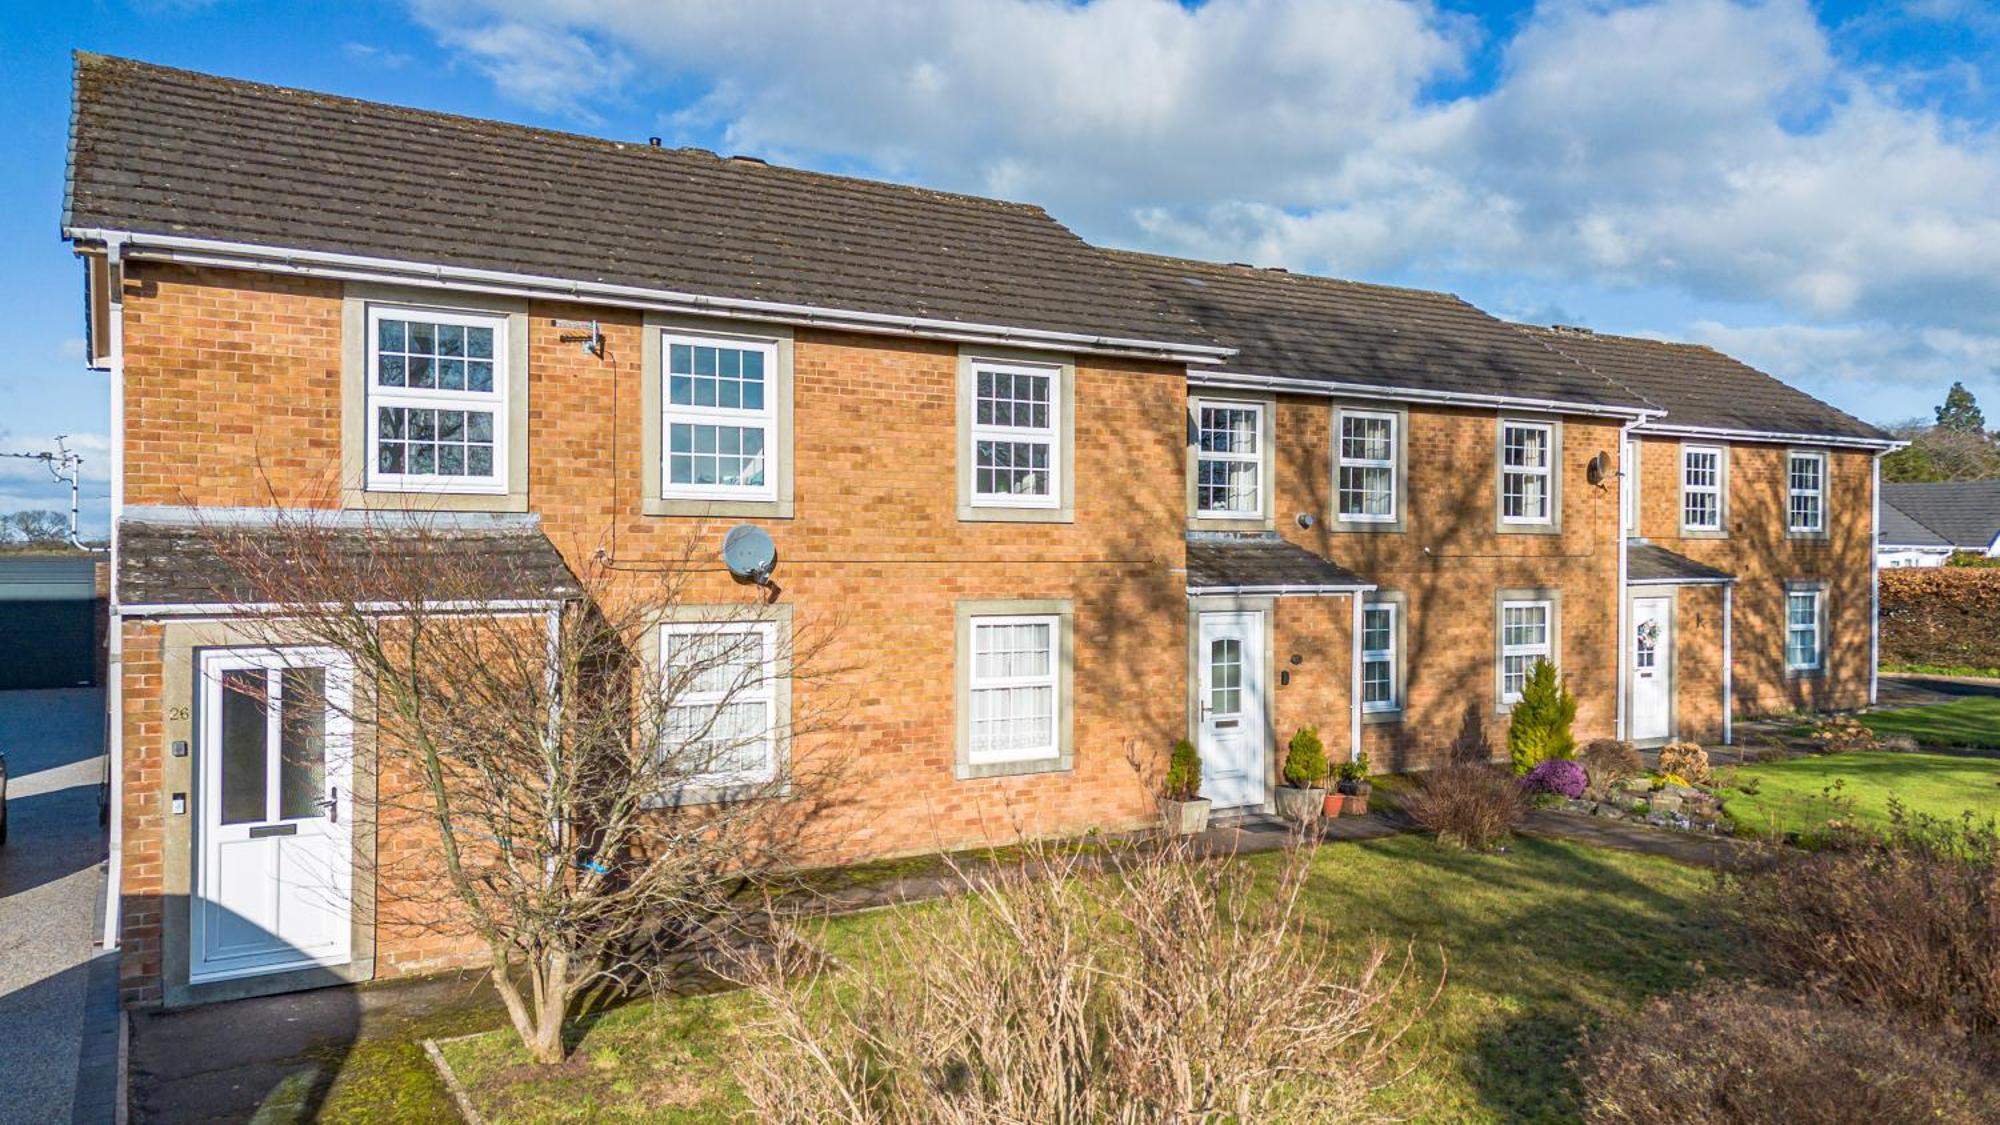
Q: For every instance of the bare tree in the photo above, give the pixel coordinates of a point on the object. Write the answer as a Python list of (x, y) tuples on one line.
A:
[(582, 773), (36, 527)]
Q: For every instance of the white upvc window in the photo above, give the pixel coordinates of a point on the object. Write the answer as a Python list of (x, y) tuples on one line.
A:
[(1802, 630), (720, 688), (1378, 658), (1701, 488), (1527, 471), (719, 417), (1229, 460), (1015, 436), (1524, 639), (1806, 507), (1365, 473), (1012, 689), (437, 401)]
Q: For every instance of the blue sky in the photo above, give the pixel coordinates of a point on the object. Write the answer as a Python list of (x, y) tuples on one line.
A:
[(1814, 188)]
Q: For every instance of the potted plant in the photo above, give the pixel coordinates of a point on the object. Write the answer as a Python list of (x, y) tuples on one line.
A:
[(1181, 805), (1351, 782), (1300, 799)]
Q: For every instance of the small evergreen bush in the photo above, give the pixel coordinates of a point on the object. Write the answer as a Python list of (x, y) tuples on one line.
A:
[(1183, 772), (1305, 760), (1540, 729)]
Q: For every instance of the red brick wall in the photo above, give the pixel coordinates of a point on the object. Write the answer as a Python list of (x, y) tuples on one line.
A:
[(142, 818), (1761, 555)]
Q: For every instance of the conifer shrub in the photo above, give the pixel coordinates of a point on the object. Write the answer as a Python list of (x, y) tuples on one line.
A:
[(1540, 727)]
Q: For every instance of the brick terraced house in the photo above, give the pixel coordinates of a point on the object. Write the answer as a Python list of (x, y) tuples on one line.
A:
[(1162, 498)]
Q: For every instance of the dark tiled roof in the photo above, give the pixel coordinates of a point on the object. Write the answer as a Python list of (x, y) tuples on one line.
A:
[(1965, 512), (1649, 562), (1700, 386), (1900, 529), (1301, 326), (1218, 562), (163, 151), (174, 557)]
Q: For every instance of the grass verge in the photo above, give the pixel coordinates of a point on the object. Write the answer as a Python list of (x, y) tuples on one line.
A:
[(1536, 944), (1788, 791), (1973, 722)]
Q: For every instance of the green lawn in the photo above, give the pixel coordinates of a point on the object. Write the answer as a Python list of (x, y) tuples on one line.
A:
[(1788, 791), (1969, 722), (1535, 945)]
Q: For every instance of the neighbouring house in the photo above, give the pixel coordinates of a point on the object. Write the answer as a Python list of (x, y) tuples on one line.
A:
[(52, 612), (1923, 523), (1162, 498)]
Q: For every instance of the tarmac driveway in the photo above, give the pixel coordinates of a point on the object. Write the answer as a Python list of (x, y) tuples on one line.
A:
[(58, 1014)]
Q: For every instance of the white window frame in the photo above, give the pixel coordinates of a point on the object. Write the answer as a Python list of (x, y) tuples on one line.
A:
[(1546, 471), (1818, 600), (1342, 461), (1386, 656), (1545, 650), (1255, 459), (1713, 490), (1793, 493), (765, 419), (494, 401), (1052, 680), (1050, 435), (765, 691)]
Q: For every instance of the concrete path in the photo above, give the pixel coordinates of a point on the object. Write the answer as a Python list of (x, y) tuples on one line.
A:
[(58, 1000)]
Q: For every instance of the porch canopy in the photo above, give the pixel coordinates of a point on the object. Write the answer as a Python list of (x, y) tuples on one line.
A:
[(1648, 564), (1263, 564)]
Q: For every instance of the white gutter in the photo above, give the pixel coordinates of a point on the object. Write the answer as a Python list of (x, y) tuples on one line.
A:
[(1875, 581), (1279, 591), (114, 660), (1717, 433), (1354, 684), (356, 267), (264, 609), (1293, 384), (1681, 582), (1728, 665)]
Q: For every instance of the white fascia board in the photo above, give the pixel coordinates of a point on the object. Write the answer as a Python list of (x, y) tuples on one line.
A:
[(225, 610), (1682, 582), (1772, 437), (1236, 380), (355, 267)]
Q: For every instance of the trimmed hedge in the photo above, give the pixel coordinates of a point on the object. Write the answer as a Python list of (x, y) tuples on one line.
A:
[(1942, 616)]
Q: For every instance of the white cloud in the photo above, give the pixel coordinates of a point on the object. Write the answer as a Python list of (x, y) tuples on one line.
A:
[(1870, 363), (1724, 150)]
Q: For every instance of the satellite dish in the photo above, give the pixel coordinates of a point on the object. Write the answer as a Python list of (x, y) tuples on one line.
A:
[(1599, 468), (749, 554)]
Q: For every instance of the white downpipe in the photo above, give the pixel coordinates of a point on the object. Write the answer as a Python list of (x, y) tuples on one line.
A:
[(114, 662), (1728, 665), (1875, 580), (1624, 574), (1354, 684)]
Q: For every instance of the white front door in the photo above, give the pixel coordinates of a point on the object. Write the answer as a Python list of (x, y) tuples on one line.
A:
[(273, 886), (1652, 668), (1231, 706)]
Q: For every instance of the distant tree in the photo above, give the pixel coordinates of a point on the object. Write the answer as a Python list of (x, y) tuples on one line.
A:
[(34, 528), (1961, 412), (1941, 453)]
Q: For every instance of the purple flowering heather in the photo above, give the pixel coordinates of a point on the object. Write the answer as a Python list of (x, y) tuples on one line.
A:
[(1557, 775)]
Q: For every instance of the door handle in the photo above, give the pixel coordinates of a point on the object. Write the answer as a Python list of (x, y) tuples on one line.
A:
[(330, 804)]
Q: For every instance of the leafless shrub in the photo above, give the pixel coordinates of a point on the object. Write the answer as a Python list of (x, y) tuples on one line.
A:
[(1687, 761), (1608, 761), (554, 778), (1168, 989), (1908, 926), (1472, 806), (1731, 1054)]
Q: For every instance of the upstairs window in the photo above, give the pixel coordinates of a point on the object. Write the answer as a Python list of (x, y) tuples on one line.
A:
[(1229, 460), (1806, 473), (1524, 639), (1365, 471), (1527, 472), (1701, 488), (1378, 658), (1012, 689), (1015, 435), (1802, 630), (437, 401), (720, 417)]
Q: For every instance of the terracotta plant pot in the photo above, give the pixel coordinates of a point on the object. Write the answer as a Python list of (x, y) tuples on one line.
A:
[(1185, 818), (1330, 806), (1300, 805)]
